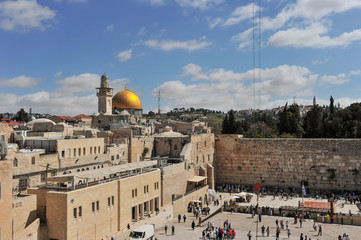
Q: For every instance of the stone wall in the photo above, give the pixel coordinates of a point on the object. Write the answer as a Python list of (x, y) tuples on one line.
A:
[(327, 164), (5, 199)]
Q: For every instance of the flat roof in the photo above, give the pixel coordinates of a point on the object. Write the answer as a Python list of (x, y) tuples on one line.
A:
[(102, 172), (197, 179)]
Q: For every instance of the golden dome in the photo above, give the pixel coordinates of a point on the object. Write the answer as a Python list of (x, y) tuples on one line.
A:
[(126, 99)]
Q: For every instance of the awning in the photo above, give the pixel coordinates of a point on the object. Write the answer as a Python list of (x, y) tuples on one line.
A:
[(197, 179)]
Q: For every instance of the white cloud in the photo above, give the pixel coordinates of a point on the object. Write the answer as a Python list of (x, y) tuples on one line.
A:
[(75, 95), (168, 45), (215, 22), (110, 28), (24, 15), (201, 4), (312, 36), (141, 31), (338, 79), (58, 74), (20, 82), (305, 23), (244, 38), (223, 89), (241, 13), (317, 62), (125, 55), (85, 82)]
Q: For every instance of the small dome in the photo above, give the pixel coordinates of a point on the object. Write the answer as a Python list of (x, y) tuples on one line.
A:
[(126, 99), (124, 113), (39, 120)]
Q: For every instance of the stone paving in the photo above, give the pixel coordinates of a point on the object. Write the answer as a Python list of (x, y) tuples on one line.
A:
[(243, 223)]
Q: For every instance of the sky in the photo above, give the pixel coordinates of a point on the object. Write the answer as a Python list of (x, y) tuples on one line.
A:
[(214, 54)]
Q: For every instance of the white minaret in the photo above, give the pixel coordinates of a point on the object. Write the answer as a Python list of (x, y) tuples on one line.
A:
[(105, 94)]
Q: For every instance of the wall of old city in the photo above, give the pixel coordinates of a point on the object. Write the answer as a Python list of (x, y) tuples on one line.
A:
[(327, 164), (5, 199)]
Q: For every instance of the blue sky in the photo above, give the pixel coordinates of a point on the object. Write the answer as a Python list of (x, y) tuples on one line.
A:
[(197, 53)]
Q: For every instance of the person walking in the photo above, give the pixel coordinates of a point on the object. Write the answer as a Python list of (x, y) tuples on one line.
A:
[(260, 217), (301, 236), (267, 230), (184, 218), (301, 222), (262, 228), (179, 218), (288, 233), (249, 235), (193, 225), (286, 224), (165, 229), (173, 228)]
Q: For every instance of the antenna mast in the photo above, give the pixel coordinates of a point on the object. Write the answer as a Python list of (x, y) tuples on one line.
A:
[(159, 102)]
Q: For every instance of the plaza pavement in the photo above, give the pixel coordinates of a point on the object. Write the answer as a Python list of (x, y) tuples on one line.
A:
[(242, 223)]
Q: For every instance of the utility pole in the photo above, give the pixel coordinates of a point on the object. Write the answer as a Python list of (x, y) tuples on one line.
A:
[(159, 102)]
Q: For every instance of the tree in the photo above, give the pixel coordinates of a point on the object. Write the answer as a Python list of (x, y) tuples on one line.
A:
[(229, 124), (290, 121), (21, 116), (313, 123), (332, 107)]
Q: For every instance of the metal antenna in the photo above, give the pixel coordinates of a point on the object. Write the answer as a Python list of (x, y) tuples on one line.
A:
[(159, 102)]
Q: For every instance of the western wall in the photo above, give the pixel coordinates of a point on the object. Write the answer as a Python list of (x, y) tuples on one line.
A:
[(323, 164)]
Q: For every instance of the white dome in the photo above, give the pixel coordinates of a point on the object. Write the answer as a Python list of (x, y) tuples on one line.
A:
[(40, 120)]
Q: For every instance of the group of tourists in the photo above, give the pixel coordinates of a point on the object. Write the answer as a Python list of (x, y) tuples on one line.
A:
[(218, 233)]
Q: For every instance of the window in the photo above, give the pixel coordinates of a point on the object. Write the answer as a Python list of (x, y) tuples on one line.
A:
[(133, 193), (145, 189), (93, 207), (23, 184), (15, 162), (63, 154), (42, 177), (205, 143), (108, 201), (99, 150), (203, 158), (112, 158), (155, 186), (74, 213), (136, 192), (84, 151), (209, 157), (91, 150), (97, 205), (80, 211), (79, 152), (69, 152), (95, 150), (32, 160), (74, 152), (113, 200), (117, 156)]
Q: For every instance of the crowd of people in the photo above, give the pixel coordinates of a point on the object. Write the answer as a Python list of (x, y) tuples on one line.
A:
[(218, 233)]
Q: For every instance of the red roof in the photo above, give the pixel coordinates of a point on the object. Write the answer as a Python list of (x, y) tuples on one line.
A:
[(11, 123), (81, 116), (64, 117)]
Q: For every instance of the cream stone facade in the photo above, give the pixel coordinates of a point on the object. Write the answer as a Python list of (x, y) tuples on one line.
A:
[(5, 199), (99, 210)]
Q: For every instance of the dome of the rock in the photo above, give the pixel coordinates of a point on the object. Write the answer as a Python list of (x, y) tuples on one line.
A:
[(126, 99)]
